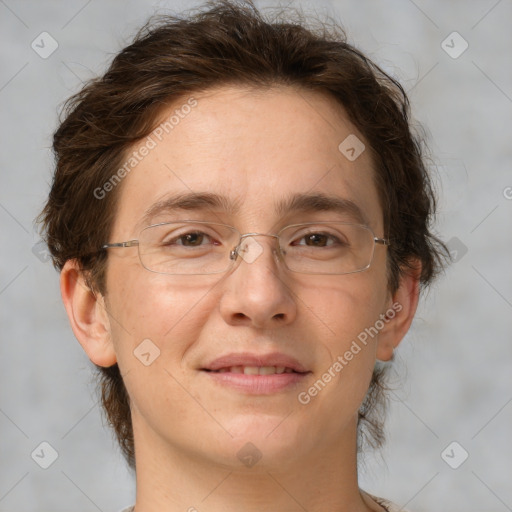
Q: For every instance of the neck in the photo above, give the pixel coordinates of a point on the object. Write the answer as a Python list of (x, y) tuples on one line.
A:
[(175, 479)]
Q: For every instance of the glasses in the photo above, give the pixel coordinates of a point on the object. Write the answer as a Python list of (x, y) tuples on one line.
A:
[(191, 247)]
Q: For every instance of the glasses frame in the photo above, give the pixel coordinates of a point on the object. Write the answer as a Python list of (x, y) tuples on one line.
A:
[(234, 253)]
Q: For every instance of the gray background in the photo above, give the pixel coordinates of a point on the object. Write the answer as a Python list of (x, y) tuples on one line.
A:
[(454, 368)]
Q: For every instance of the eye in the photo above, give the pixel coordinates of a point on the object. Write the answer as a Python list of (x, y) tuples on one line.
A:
[(190, 239), (319, 239)]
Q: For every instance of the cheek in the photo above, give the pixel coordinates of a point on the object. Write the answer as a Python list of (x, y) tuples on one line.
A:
[(170, 311), (171, 314), (341, 309), (344, 305), (346, 310)]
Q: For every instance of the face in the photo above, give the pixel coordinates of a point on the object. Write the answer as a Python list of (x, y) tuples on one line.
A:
[(257, 150)]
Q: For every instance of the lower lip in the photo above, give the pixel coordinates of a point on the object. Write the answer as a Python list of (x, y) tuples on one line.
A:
[(258, 384)]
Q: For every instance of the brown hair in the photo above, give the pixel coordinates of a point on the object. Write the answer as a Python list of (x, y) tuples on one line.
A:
[(231, 43)]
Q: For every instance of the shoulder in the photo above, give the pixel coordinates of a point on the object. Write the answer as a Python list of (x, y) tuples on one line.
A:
[(388, 505)]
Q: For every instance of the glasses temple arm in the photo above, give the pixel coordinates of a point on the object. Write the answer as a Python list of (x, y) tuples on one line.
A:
[(129, 243)]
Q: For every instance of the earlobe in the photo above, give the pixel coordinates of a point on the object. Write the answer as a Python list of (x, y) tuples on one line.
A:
[(87, 315), (400, 313)]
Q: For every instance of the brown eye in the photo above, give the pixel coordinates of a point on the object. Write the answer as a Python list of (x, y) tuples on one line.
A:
[(316, 239), (192, 239)]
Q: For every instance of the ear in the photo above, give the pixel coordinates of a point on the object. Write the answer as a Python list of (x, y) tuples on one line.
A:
[(400, 312), (87, 315)]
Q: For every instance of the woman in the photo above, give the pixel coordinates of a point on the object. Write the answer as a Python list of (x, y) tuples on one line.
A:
[(240, 214)]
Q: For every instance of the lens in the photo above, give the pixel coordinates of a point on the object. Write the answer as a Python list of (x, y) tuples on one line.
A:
[(187, 247), (327, 248)]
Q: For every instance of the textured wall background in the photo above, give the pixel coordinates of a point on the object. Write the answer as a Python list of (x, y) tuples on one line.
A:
[(454, 370)]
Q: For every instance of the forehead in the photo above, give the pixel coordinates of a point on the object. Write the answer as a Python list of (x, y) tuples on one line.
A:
[(253, 156)]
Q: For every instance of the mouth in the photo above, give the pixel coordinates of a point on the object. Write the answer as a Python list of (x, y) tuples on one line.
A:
[(255, 370), (256, 380)]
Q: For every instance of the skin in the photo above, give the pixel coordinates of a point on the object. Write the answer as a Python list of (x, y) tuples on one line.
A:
[(256, 147)]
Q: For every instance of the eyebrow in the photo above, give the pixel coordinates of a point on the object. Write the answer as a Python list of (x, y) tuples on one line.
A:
[(207, 201)]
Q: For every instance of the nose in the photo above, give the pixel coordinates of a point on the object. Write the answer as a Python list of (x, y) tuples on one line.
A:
[(257, 292)]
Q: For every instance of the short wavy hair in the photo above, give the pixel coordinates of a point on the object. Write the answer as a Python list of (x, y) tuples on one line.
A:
[(232, 43)]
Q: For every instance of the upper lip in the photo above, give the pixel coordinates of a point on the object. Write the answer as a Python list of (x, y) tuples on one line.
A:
[(248, 359)]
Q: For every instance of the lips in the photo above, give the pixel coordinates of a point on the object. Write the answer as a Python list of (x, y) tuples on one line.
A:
[(256, 370), (257, 384), (256, 364)]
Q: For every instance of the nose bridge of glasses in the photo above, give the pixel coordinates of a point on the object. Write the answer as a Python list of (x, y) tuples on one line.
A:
[(249, 249), (257, 234)]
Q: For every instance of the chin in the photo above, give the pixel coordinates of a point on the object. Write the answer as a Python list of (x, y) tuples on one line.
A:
[(270, 438)]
